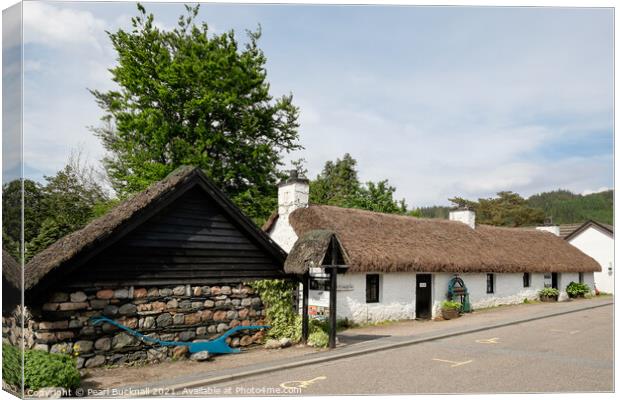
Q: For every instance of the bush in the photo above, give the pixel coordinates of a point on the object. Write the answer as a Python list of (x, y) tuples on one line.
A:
[(278, 298), (548, 292), (577, 289), (451, 305), (11, 365), (42, 369), (318, 338)]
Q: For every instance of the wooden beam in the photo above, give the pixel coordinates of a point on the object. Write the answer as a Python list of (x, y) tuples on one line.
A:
[(333, 294), (305, 331)]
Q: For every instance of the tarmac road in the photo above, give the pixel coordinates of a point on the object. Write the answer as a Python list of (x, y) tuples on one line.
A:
[(566, 353)]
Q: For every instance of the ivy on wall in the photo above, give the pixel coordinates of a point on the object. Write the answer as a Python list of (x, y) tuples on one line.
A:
[(278, 297)]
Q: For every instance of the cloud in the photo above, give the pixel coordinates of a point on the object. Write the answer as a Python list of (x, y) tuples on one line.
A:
[(442, 103), (57, 26), (601, 189)]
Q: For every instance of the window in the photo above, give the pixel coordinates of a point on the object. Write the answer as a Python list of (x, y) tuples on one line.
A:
[(372, 288), (490, 283), (319, 284), (581, 277), (526, 279)]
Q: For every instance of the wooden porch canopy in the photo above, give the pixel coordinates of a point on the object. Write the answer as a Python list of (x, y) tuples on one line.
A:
[(318, 250)]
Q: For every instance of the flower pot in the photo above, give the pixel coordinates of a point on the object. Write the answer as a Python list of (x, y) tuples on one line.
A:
[(548, 298), (449, 313)]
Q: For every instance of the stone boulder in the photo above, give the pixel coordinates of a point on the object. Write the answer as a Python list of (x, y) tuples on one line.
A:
[(272, 344), (78, 297), (200, 356)]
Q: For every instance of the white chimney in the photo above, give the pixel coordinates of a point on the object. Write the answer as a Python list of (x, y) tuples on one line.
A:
[(555, 229), (464, 215), (293, 193), (548, 226)]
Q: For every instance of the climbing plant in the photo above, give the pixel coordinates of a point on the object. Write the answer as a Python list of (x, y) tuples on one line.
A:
[(278, 297)]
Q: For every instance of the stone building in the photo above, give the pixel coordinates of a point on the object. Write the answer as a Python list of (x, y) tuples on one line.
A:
[(175, 262)]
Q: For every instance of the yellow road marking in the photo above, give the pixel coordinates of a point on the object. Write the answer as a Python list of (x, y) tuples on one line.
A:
[(563, 331), (301, 384), (488, 341), (454, 363)]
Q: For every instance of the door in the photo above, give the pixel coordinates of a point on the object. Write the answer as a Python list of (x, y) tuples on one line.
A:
[(423, 296), (554, 280)]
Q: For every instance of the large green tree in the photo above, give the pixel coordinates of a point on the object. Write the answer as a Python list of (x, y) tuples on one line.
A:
[(338, 185), (189, 96), (507, 209)]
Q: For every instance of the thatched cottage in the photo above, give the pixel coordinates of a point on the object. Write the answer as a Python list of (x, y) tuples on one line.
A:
[(399, 267), (175, 261)]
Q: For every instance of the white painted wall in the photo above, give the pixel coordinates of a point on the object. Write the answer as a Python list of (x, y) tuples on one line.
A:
[(600, 246), (397, 293), (508, 289), (396, 297), (282, 233), (291, 196)]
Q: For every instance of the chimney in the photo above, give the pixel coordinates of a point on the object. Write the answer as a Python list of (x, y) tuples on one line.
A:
[(549, 227), (293, 193), (464, 215)]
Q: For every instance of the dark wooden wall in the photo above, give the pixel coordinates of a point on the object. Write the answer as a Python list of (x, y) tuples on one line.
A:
[(190, 241)]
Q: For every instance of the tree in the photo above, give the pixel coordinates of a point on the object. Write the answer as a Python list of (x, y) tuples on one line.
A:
[(564, 207), (69, 200), (188, 96), (51, 230), (34, 211), (338, 185), (507, 209), (378, 197)]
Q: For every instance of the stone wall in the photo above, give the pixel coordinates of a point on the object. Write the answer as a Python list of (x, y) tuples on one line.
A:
[(12, 332), (177, 313)]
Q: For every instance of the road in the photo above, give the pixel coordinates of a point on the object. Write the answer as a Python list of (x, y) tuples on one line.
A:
[(567, 353)]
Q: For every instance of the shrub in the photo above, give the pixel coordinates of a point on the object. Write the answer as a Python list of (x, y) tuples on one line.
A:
[(548, 292), (577, 289), (278, 298), (318, 338), (42, 369), (11, 365), (451, 305)]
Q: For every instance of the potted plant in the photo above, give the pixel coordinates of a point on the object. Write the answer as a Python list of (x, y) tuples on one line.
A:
[(577, 290), (450, 309), (549, 294)]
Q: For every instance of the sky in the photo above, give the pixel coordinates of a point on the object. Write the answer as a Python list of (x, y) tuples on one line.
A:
[(441, 101)]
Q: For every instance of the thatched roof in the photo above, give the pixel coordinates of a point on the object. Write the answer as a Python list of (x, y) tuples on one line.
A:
[(387, 242), (309, 251), (123, 217), (11, 270)]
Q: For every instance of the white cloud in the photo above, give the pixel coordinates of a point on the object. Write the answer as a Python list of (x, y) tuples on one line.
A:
[(601, 189), (57, 26), (459, 110)]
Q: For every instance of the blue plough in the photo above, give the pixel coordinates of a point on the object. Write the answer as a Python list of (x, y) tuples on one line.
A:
[(215, 346)]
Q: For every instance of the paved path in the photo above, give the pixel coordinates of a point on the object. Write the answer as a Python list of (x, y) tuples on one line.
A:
[(381, 338)]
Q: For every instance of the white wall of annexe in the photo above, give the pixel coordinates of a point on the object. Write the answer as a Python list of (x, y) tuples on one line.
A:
[(397, 293), (600, 246)]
